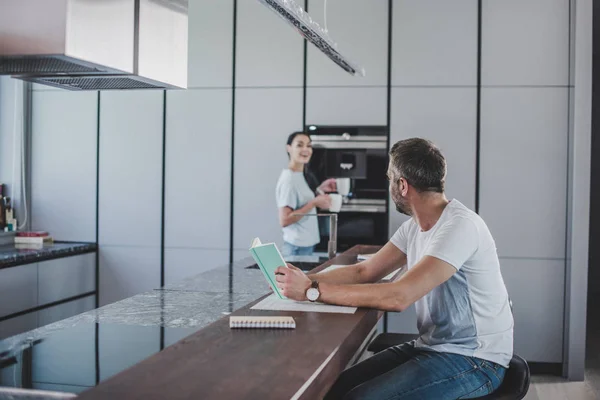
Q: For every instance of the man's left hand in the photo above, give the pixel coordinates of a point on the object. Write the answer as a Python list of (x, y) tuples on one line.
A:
[(292, 282)]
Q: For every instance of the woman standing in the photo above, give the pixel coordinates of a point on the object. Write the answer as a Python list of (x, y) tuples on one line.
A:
[(294, 197)]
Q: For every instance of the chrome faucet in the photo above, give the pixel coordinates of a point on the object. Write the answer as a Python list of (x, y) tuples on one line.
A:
[(332, 244)]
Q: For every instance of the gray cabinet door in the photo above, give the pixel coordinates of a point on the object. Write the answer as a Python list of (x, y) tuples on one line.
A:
[(130, 167), (198, 181), (210, 43), (130, 192), (63, 167), (18, 289), (523, 192), (264, 118), (525, 42), (66, 277)]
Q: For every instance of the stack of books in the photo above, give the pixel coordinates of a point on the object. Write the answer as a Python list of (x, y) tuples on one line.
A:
[(32, 240)]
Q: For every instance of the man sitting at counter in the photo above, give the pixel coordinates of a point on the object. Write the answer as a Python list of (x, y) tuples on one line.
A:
[(453, 278)]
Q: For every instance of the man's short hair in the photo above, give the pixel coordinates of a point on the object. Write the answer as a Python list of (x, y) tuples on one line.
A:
[(421, 163)]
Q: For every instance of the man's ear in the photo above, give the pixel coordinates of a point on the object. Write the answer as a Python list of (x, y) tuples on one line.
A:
[(403, 186)]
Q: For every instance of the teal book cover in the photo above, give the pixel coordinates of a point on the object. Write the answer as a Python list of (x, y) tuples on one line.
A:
[(268, 258)]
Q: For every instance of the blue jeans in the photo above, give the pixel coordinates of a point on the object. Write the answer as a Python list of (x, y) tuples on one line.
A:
[(289, 249), (407, 373)]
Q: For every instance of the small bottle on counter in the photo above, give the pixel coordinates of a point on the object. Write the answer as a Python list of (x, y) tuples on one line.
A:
[(9, 215)]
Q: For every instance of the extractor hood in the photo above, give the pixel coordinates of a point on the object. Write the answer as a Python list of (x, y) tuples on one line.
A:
[(95, 44)]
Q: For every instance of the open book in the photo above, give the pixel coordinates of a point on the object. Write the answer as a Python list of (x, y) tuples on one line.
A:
[(268, 258)]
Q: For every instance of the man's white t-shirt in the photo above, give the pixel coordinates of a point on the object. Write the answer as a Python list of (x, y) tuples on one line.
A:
[(469, 314)]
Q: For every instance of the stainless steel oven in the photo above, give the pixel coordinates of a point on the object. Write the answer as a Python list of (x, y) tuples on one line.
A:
[(361, 154)]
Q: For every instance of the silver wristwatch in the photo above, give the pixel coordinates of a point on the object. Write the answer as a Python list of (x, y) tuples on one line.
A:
[(312, 293)]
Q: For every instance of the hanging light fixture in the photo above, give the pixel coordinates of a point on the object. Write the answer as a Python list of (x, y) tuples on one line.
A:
[(294, 15)]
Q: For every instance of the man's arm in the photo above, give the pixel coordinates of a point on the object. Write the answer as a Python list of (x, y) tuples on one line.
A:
[(427, 274), (386, 260)]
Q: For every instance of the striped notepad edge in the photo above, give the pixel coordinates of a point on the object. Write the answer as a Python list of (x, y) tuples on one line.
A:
[(262, 322)]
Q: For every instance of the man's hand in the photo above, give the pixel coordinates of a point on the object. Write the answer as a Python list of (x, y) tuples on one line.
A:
[(292, 282)]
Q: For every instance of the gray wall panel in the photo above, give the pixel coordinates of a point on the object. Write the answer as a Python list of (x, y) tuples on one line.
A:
[(404, 322), (124, 346), (182, 263), (536, 288), (66, 310), (269, 51), (446, 116), (346, 106), (56, 350), (360, 29), (126, 271), (434, 42)]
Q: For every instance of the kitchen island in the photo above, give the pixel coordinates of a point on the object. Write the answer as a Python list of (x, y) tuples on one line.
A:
[(175, 343)]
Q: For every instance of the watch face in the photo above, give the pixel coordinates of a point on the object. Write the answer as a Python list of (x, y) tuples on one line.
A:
[(312, 294)]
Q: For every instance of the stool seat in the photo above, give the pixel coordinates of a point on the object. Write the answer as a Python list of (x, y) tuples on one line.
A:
[(515, 384), (516, 380)]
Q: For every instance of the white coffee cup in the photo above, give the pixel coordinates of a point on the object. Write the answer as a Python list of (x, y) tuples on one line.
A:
[(343, 186), (336, 202)]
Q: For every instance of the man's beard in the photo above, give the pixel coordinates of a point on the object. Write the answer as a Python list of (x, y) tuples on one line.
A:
[(401, 204)]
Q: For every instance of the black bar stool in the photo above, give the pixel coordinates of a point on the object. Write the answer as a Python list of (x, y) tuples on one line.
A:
[(514, 386)]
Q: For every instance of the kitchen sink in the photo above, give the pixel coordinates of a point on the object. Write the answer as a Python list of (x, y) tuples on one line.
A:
[(27, 394)]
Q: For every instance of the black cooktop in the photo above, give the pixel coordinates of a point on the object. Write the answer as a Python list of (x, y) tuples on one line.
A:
[(78, 358)]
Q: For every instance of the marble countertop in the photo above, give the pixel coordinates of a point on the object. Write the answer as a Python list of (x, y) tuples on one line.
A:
[(161, 316), (10, 256)]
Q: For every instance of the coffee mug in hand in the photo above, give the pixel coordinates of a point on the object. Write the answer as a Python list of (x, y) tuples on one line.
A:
[(336, 202), (343, 186)]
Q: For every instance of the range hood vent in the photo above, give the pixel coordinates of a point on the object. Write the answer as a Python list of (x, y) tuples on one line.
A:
[(95, 44), (106, 82), (44, 65)]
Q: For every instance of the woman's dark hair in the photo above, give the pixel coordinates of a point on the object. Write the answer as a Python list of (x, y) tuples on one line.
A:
[(293, 136), (310, 177), (421, 163)]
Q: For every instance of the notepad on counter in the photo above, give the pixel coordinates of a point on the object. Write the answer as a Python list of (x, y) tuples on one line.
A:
[(363, 257), (268, 258), (272, 303), (262, 322)]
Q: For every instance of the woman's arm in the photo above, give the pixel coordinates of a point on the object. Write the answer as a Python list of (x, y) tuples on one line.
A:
[(287, 216)]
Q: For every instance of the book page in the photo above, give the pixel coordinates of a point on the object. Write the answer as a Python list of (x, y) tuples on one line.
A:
[(272, 303)]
